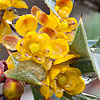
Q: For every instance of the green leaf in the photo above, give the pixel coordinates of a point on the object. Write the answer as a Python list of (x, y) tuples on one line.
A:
[(79, 44), (95, 58), (84, 64), (27, 71), (36, 93), (51, 4)]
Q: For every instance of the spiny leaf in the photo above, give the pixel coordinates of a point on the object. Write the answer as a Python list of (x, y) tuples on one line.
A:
[(95, 58), (51, 5), (27, 71), (79, 44)]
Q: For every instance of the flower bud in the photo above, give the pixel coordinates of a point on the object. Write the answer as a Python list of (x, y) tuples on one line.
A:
[(13, 89)]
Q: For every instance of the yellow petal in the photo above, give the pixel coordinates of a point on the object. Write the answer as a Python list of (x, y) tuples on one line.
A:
[(10, 41), (59, 92), (34, 9), (79, 88), (10, 63), (63, 26), (22, 52), (64, 3), (72, 24), (4, 29), (39, 59), (25, 24), (53, 72), (74, 71), (42, 17), (70, 84), (67, 36), (51, 32), (19, 4), (64, 12), (18, 56), (45, 90), (65, 58), (53, 21), (53, 84), (48, 64), (60, 48), (3, 5)]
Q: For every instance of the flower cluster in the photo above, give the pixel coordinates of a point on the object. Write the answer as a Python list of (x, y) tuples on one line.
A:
[(49, 45)]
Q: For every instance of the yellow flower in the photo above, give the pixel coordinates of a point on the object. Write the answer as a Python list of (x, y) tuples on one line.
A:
[(12, 3), (63, 78), (60, 48), (36, 46), (53, 22), (25, 24)]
